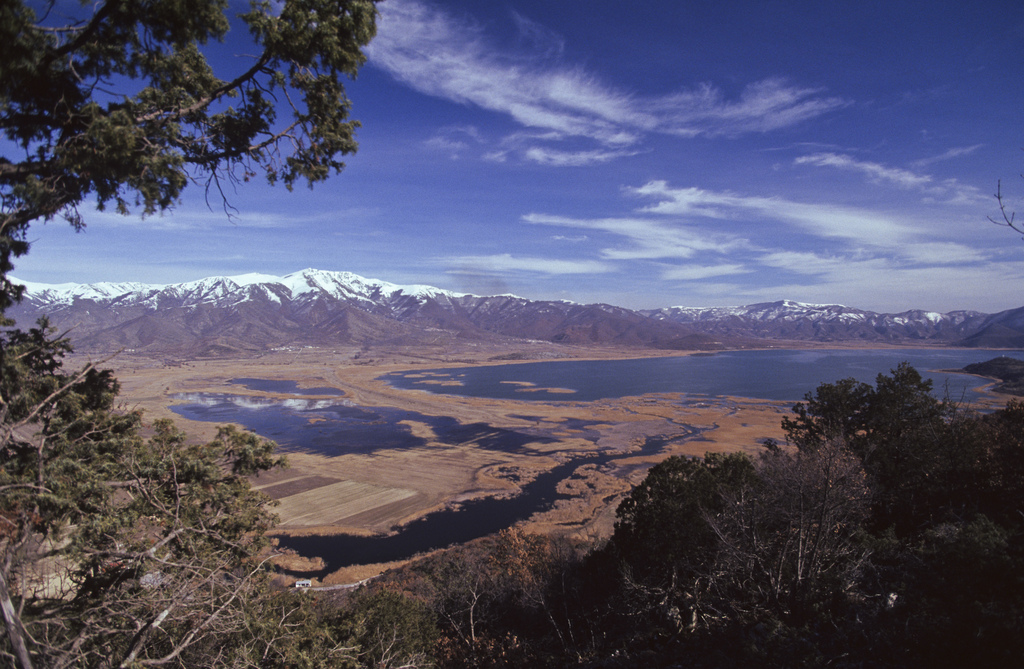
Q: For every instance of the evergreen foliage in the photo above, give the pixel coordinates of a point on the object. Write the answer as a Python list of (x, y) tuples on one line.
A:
[(1008, 370), (117, 100), (116, 548), (887, 533), (125, 544)]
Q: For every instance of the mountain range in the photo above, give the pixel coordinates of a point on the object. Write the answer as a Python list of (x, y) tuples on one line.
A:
[(256, 312)]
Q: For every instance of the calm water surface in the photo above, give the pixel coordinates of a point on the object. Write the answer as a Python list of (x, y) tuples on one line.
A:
[(470, 520), (770, 375), (335, 426)]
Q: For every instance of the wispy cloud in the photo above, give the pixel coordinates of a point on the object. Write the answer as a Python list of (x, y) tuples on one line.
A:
[(649, 238), (762, 106), (951, 154), (726, 243), (454, 140), (812, 264), (186, 218), (537, 37), (865, 227), (557, 158), (504, 263), (942, 253), (874, 171), (876, 284), (699, 272), (440, 55), (915, 267), (949, 191)]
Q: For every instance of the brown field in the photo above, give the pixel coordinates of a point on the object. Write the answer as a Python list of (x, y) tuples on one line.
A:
[(374, 492)]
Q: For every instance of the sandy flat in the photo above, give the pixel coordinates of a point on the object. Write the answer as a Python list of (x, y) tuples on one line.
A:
[(373, 492)]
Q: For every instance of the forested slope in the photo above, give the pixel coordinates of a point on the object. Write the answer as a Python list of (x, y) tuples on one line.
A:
[(887, 532)]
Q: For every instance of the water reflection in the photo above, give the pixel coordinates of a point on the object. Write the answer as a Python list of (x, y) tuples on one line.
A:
[(770, 375), (335, 427), (469, 520), (283, 386)]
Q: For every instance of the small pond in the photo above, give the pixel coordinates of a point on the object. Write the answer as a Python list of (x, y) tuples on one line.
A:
[(333, 426)]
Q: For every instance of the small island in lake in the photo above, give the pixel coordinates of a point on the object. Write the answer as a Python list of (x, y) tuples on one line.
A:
[(1008, 370)]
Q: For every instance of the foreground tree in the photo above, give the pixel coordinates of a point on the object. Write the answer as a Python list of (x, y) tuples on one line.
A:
[(117, 100), (117, 549), (1007, 218), (791, 543), (385, 630), (665, 541), (899, 431)]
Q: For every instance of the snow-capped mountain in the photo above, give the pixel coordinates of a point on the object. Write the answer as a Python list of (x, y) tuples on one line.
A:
[(824, 322), (252, 312), (228, 290), (314, 307)]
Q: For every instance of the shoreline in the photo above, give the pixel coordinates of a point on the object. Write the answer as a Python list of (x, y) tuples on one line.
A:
[(414, 482), (151, 387)]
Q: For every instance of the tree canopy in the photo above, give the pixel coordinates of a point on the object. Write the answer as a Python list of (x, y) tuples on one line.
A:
[(121, 543), (119, 100), (888, 532)]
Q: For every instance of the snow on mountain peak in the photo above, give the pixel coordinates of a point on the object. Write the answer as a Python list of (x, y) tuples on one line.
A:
[(67, 293), (233, 289), (310, 284), (347, 284), (253, 278)]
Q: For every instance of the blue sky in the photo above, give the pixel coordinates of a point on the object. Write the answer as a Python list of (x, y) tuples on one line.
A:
[(641, 154)]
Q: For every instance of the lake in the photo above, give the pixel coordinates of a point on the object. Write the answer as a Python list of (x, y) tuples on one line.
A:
[(335, 426), (470, 520), (766, 374)]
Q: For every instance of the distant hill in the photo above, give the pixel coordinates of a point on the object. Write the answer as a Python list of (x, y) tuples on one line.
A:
[(1002, 330), (825, 323), (1008, 370), (256, 312)]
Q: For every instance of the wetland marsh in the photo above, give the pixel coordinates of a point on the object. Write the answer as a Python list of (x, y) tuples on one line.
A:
[(490, 445)]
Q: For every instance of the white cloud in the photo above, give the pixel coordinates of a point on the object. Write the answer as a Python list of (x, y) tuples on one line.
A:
[(540, 38), (453, 140), (942, 253), (809, 263), (453, 147), (798, 250), (875, 284), (185, 218), (875, 171), (951, 154), (904, 280), (506, 262), (948, 191), (952, 192), (557, 158), (439, 55), (894, 289), (650, 238), (824, 220), (762, 106), (698, 272)]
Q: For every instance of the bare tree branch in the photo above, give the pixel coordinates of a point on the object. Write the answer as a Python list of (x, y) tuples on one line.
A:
[(1008, 218)]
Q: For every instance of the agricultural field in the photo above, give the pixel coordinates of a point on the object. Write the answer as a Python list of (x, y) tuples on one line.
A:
[(370, 493)]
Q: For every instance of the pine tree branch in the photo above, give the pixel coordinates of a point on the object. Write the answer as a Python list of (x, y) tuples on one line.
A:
[(15, 628)]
